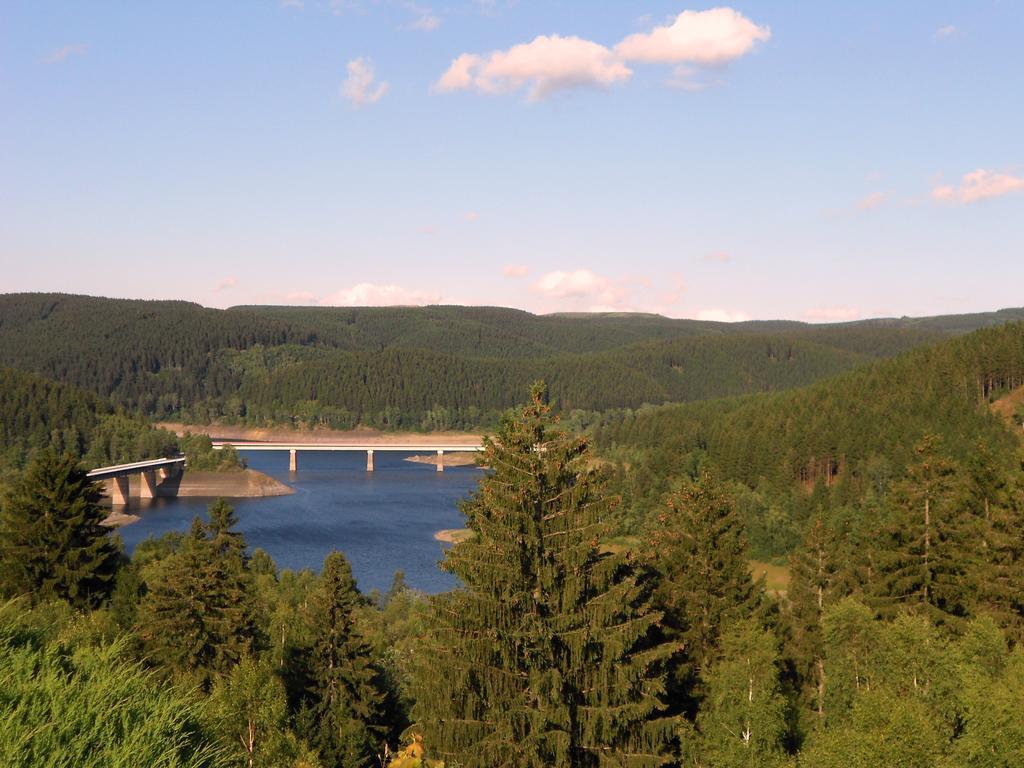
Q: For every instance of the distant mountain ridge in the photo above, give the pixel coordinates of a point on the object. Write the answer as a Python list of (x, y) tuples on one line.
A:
[(423, 367)]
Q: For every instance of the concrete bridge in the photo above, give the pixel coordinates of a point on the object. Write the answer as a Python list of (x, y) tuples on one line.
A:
[(150, 473), (294, 448)]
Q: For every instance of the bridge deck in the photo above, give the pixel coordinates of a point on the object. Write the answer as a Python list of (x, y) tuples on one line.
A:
[(404, 447), (122, 470)]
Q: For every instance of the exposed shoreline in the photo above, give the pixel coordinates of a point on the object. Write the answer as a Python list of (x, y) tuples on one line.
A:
[(243, 484), (313, 436), (454, 459), (453, 535)]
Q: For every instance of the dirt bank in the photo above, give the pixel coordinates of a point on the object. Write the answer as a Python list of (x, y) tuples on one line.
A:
[(455, 459), (240, 484), (246, 484), (453, 535), (284, 434), (116, 519)]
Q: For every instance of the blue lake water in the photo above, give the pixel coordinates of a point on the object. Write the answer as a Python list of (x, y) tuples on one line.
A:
[(383, 520)]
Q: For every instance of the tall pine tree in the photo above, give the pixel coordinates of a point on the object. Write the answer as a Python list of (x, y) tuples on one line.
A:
[(930, 556), (699, 552), (197, 616), (812, 588), (52, 540), (345, 707), (545, 656), (995, 500)]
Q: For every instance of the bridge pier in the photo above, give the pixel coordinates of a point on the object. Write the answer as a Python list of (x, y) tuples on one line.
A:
[(168, 473), (293, 460), (147, 490), (119, 491), (369, 460), (440, 460)]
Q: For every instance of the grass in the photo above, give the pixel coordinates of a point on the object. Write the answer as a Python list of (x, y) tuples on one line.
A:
[(776, 577)]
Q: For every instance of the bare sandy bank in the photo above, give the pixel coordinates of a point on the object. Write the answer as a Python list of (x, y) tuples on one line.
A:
[(284, 434), (454, 459), (246, 484), (453, 535), (117, 518)]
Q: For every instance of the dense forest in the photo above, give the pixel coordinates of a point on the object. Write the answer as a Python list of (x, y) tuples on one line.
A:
[(421, 368), (832, 445), (897, 643), (606, 615), (36, 414)]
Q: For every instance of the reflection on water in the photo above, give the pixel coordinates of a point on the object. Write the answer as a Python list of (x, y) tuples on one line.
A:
[(383, 521)]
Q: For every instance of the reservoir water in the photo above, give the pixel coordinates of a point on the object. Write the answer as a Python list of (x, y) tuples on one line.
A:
[(383, 520)]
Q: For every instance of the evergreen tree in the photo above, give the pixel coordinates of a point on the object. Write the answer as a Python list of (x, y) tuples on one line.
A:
[(52, 540), (699, 552), (995, 500), (545, 656), (229, 585), (812, 589), (344, 719), (930, 555), (197, 615)]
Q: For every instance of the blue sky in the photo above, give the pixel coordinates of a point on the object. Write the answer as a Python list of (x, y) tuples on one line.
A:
[(799, 160)]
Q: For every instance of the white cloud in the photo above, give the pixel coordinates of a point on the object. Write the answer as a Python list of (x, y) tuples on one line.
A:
[(943, 32), (303, 297), (471, 215), (226, 283), (63, 54), (551, 63), (832, 314), (708, 37), (872, 201), (515, 270), (722, 316), (978, 185), (373, 295), (722, 257), (543, 66), (579, 284), (459, 75), (359, 87), (429, 231)]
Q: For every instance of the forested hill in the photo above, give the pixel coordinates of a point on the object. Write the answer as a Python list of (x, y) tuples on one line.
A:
[(849, 435), (36, 413), (420, 368)]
